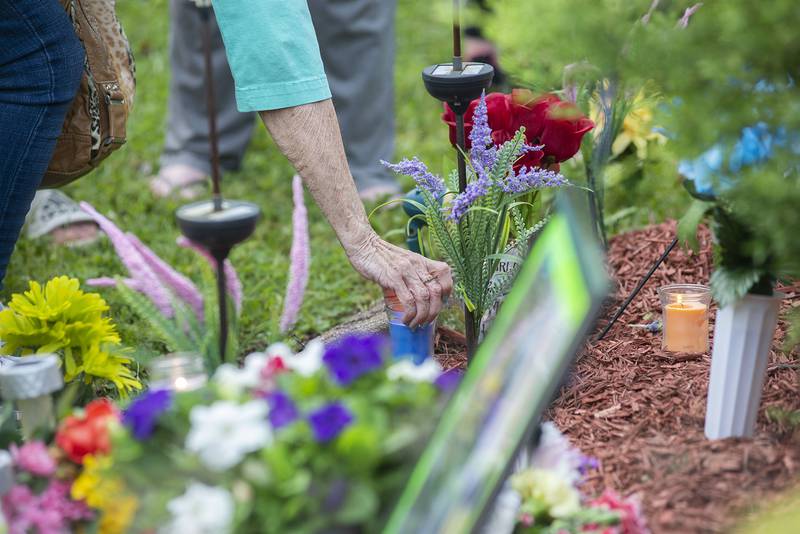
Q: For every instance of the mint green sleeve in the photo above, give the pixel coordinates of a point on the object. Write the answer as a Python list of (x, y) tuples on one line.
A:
[(273, 53)]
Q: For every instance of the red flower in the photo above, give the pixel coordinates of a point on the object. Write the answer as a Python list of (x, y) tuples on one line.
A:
[(630, 514), (564, 128), (87, 434), (548, 121)]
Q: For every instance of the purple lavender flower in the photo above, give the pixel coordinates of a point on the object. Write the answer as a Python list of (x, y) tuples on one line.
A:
[(353, 356), (142, 414), (588, 463), (526, 179), (300, 258), (683, 22), (471, 194), (282, 410), (329, 421), (183, 288), (449, 380), (419, 172), (483, 153), (150, 284)]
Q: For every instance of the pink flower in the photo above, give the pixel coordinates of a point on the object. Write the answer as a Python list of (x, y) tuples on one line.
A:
[(631, 518), (49, 513), (34, 458), (300, 258), (151, 286)]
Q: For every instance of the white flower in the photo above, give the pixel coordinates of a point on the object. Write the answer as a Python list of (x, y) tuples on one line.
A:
[(234, 380), (548, 490), (200, 510), (223, 433), (555, 453), (309, 361), (405, 369)]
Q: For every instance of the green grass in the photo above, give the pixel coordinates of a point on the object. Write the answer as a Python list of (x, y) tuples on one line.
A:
[(119, 190)]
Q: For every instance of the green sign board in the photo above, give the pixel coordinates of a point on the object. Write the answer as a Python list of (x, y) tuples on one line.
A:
[(509, 383)]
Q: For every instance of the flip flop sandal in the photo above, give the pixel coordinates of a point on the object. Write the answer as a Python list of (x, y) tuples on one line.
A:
[(50, 210), (178, 180)]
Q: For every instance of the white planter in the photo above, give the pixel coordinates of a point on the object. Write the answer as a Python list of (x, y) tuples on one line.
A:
[(742, 338)]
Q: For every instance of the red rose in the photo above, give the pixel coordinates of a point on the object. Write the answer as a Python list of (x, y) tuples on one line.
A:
[(564, 130), (499, 111), (87, 434), (548, 121)]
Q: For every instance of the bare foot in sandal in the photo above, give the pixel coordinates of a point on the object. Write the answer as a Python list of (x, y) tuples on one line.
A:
[(55, 214), (179, 180)]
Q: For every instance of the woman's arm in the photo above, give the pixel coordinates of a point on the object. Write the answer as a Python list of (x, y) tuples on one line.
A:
[(309, 136)]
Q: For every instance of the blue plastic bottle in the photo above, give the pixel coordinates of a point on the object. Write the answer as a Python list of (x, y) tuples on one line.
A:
[(416, 343)]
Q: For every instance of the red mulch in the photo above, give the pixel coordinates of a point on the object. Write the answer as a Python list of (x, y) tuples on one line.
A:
[(640, 411)]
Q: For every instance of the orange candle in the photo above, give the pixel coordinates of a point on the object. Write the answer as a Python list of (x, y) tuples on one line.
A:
[(685, 318)]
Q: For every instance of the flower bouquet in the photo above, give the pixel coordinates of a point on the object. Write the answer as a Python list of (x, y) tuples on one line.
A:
[(310, 442), (488, 223)]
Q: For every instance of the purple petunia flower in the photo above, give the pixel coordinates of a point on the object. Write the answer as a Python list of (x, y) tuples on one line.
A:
[(353, 356), (143, 413), (329, 421), (282, 410), (449, 380), (419, 172)]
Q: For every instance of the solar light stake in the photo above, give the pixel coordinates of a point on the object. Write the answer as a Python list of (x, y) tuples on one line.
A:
[(218, 224), (457, 84)]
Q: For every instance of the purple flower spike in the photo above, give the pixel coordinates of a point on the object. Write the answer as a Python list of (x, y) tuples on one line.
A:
[(419, 172), (142, 414), (449, 380), (483, 153), (183, 287), (535, 178), (353, 356), (139, 269), (329, 421), (282, 410), (300, 258), (474, 191)]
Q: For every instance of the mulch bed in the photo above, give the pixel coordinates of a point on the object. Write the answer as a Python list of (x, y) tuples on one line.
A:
[(640, 411)]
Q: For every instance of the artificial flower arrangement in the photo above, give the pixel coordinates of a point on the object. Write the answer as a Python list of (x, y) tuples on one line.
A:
[(306, 442), (515, 145), (61, 318)]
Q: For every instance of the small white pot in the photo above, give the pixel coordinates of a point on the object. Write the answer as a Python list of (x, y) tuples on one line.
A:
[(742, 338)]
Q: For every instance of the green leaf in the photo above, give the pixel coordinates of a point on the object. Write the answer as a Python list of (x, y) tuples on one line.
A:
[(360, 505), (687, 226), (730, 285)]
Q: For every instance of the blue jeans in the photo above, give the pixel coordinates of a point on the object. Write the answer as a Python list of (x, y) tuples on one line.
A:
[(41, 64)]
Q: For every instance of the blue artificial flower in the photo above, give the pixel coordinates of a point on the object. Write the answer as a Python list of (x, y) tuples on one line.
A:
[(282, 410), (353, 356), (449, 380), (714, 171), (142, 414), (329, 421)]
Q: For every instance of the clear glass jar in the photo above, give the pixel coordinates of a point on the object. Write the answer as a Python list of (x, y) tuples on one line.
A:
[(684, 312), (415, 343), (179, 371)]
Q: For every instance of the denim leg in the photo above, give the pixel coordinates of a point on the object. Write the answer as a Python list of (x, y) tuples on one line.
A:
[(41, 64)]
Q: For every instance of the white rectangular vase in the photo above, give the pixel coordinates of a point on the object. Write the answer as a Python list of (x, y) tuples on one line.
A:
[(742, 338)]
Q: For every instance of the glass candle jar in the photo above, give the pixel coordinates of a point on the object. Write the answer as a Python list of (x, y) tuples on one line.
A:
[(415, 343), (684, 311), (179, 371)]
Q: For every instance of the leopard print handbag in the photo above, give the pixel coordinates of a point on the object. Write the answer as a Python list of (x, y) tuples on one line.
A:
[(95, 124)]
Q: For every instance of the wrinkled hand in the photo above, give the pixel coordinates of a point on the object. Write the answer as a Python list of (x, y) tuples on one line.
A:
[(420, 284)]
